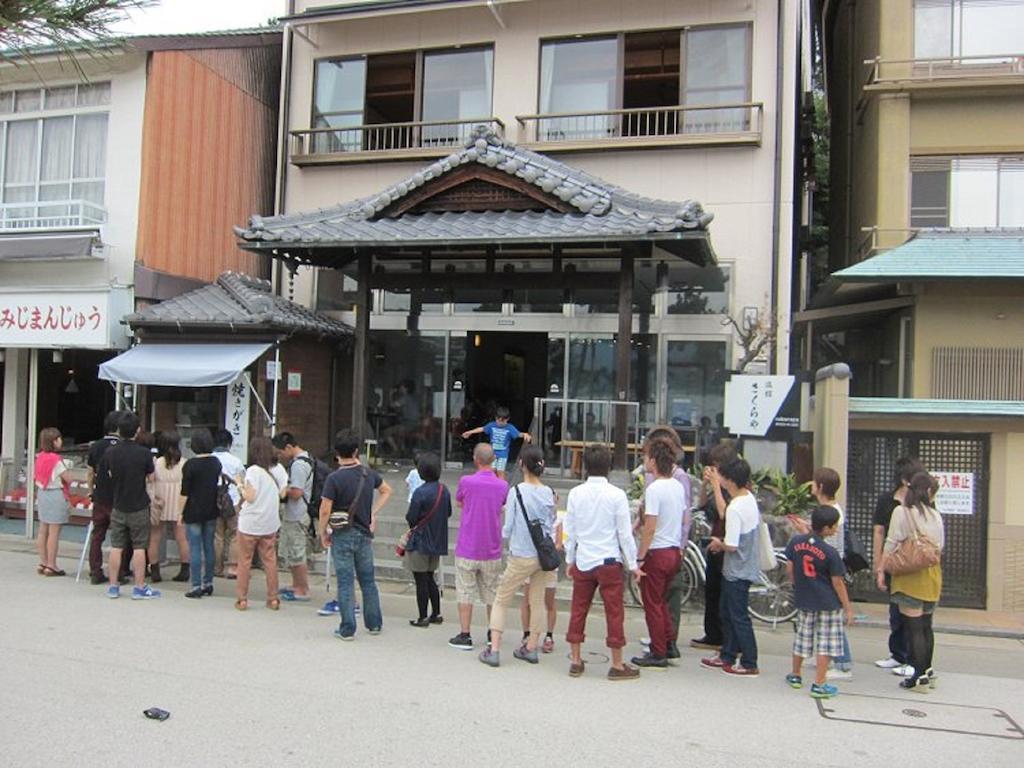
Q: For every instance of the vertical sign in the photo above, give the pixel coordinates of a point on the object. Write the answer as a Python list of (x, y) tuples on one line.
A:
[(236, 416)]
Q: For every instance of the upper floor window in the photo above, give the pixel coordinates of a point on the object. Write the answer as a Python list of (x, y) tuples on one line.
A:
[(946, 29), (658, 75), (53, 154), (967, 191), (418, 98)]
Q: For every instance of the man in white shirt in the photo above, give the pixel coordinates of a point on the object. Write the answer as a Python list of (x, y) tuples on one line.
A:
[(599, 539), (225, 551)]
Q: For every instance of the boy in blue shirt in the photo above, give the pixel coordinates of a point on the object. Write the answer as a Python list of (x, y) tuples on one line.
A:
[(502, 435), (816, 571)]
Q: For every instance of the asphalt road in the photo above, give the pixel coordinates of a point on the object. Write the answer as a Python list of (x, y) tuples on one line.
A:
[(76, 671)]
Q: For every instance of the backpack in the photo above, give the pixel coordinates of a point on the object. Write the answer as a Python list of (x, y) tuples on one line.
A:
[(855, 556), (225, 505), (316, 491)]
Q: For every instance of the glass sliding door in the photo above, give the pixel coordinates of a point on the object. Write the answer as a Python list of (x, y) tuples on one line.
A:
[(578, 76), (340, 93), (456, 87), (695, 383), (717, 71)]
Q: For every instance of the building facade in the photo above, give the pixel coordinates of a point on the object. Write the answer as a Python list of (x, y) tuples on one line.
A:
[(670, 100), (926, 295)]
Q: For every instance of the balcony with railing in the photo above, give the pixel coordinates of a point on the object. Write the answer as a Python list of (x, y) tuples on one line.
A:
[(384, 141), (51, 214), (644, 127), (988, 70)]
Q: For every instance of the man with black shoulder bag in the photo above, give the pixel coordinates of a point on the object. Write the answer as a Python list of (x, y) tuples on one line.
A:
[(348, 519)]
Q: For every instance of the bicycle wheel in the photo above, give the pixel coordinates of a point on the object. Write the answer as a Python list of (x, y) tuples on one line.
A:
[(690, 581), (771, 599)]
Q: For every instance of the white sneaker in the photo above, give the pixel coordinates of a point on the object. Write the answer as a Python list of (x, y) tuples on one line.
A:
[(903, 670), (889, 663), (839, 674)]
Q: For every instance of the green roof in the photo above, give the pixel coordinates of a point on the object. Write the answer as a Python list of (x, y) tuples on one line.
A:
[(945, 255), (923, 407)]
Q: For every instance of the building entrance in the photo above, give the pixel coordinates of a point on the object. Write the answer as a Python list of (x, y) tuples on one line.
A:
[(498, 368)]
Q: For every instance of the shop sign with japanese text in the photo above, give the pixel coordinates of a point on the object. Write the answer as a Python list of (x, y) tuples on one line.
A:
[(753, 404), (63, 319), (236, 416)]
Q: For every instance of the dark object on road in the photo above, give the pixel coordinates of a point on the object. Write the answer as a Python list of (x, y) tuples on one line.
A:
[(153, 713)]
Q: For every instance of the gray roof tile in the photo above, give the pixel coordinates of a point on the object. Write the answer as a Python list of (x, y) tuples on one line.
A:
[(603, 210), (237, 301)]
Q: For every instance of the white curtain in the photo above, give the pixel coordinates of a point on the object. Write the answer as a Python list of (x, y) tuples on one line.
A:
[(90, 156), (20, 161)]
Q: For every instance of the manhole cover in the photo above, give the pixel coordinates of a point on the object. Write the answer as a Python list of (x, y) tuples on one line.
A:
[(914, 713), (591, 657)]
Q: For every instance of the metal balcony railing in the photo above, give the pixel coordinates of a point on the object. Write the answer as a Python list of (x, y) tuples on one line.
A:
[(412, 138), (50, 214), (930, 70), (674, 124)]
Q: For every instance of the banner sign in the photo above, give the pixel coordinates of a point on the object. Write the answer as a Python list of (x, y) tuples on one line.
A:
[(236, 416), (64, 319), (754, 404)]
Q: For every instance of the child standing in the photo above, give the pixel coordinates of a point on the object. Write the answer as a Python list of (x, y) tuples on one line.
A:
[(502, 435), (816, 571)]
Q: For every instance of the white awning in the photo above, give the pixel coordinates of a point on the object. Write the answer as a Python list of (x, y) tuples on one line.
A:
[(182, 365)]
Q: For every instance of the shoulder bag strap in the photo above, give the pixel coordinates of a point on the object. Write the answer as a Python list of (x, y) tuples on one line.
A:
[(359, 488), (522, 507), (433, 509)]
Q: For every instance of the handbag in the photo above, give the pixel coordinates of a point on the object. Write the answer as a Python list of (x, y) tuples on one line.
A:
[(915, 553), (343, 519), (547, 555), (855, 556), (403, 540), (225, 504), (765, 551)]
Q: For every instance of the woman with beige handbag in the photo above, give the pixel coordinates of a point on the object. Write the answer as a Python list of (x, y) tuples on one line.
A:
[(912, 555)]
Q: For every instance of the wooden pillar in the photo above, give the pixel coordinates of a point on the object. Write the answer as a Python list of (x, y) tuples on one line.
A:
[(622, 358), (361, 348)]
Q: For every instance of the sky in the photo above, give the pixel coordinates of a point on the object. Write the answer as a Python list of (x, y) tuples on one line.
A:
[(179, 16)]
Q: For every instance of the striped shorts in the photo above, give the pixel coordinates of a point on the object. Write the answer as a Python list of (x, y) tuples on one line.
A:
[(818, 633)]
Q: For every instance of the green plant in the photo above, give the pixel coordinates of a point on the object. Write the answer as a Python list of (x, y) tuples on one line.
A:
[(780, 493), (636, 487)]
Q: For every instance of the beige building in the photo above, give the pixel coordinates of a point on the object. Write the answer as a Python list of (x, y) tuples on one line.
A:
[(671, 100), (926, 298)]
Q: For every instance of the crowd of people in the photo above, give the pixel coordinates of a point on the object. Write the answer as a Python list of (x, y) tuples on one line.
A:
[(225, 516)]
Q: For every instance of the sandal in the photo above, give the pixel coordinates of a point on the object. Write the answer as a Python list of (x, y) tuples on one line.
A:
[(40, 568), (274, 604), (241, 604), (48, 571)]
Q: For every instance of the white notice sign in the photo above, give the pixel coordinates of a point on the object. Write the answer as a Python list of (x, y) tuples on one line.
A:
[(236, 416), (752, 402), (956, 493)]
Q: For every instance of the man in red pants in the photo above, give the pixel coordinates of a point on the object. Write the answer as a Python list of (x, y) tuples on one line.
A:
[(598, 539), (660, 539)]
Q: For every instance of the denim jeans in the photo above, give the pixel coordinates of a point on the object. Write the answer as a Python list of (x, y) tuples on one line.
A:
[(844, 662), (352, 551), (200, 545), (737, 630)]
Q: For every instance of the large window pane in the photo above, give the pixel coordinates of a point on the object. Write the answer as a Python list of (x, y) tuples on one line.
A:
[(340, 92), (643, 369), (991, 26), (694, 290), (717, 72), (695, 382), (456, 86), (56, 162), (21, 160), (90, 146), (406, 402), (973, 193), (933, 29), (929, 197), (578, 76), (1011, 192)]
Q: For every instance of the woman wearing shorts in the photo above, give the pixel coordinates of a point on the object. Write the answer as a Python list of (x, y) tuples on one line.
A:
[(916, 594), (538, 501), (52, 478)]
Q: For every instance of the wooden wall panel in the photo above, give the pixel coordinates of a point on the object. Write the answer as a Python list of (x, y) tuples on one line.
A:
[(208, 156)]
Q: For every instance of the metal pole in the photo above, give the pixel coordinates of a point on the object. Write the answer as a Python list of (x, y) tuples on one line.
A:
[(30, 462), (277, 386)]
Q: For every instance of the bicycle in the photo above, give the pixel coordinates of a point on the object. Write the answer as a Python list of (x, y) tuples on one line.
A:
[(771, 598)]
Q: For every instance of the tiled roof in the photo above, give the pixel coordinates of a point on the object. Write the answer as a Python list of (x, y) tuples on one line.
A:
[(946, 255), (236, 302), (603, 211)]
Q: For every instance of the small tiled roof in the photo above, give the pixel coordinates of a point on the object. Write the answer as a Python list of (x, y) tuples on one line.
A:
[(602, 211), (945, 255), (236, 302)]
